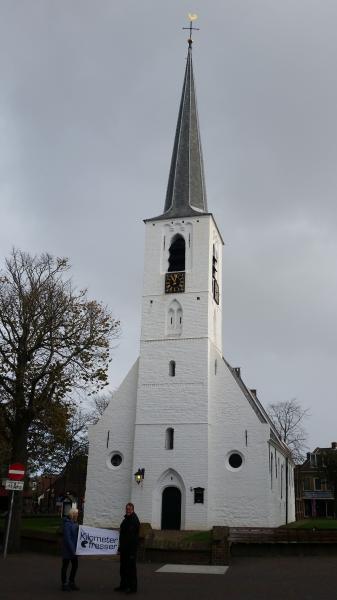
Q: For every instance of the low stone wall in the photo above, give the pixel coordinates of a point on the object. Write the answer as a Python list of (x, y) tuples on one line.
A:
[(281, 535), (257, 541), (220, 549), (223, 543), (179, 546)]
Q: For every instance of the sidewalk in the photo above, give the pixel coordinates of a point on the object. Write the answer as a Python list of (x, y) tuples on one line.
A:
[(35, 577)]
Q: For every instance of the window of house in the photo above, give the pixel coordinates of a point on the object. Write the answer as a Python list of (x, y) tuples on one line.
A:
[(307, 483), (307, 508), (169, 438), (318, 483), (199, 495), (315, 460), (172, 368)]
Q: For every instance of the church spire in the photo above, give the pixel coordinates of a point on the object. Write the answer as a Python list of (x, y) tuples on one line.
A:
[(186, 193)]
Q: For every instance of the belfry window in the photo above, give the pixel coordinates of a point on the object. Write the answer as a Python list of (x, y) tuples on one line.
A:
[(177, 254), (215, 285), (169, 438)]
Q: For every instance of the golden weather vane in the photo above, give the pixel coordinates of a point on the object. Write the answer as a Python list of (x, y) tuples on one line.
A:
[(192, 18)]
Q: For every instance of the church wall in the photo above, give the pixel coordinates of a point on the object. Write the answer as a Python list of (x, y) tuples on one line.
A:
[(179, 402), (185, 394), (194, 302), (201, 316), (155, 315), (245, 496), (187, 464), (108, 488)]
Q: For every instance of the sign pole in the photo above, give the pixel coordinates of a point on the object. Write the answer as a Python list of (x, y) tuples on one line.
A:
[(9, 524)]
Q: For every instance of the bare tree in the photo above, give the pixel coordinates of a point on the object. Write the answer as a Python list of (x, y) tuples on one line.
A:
[(287, 418), (52, 340), (98, 406)]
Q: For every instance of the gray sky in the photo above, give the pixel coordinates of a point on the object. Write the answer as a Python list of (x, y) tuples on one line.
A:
[(89, 94)]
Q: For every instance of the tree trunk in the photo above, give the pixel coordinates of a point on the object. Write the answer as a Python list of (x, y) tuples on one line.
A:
[(19, 455)]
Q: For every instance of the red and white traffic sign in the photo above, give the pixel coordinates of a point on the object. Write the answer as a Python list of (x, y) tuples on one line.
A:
[(16, 471)]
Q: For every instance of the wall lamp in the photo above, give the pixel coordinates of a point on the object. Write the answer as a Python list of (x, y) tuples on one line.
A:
[(139, 476)]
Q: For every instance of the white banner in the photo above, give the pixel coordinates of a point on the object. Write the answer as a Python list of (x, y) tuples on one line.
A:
[(92, 540)]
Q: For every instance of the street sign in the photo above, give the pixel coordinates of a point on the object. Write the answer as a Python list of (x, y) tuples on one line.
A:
[(16, 471), (16, 486)]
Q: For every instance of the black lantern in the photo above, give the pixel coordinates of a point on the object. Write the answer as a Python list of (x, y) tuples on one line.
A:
[(139, 475)]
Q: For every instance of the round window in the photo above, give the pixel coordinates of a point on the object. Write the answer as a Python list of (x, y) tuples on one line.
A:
[(234, 460), (116, 459)]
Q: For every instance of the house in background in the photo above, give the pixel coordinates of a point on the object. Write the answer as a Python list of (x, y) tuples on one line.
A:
[(52, 490), (315, 484)]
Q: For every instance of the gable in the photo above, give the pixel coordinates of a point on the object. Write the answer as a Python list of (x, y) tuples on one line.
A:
[(257, 407)]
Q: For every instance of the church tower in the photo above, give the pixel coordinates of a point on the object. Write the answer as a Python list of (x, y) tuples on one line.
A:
[(183, 438), (181, 331)]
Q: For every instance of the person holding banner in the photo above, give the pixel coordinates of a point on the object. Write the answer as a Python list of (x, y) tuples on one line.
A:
[(69, 541), (128, 542)]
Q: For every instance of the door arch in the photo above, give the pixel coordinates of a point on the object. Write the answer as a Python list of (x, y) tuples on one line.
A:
[(171, 508)]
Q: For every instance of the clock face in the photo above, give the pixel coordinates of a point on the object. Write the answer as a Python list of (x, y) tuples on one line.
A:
[(175, 283)]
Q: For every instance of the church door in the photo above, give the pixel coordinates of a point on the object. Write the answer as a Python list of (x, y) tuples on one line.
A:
[(171, 508)]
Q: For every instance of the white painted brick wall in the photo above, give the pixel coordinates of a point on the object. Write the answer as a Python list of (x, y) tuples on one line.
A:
[(209, 413), (198, 314), (108, 489), (243, 497)]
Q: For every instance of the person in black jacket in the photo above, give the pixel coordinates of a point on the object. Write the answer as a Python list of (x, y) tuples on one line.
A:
[(128, 542), (69, 541)]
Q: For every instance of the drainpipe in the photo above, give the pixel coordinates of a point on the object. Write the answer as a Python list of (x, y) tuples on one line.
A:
[(287, 469)]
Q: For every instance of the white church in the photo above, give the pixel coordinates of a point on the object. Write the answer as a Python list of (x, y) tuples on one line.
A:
[(183, 438)]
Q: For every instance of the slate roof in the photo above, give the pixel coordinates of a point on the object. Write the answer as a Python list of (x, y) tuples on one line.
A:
[(186, 193)]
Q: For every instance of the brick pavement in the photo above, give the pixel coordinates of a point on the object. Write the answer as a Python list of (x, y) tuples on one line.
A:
[(35, 577)]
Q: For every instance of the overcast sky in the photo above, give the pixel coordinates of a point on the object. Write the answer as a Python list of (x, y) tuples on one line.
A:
[(89, 94)]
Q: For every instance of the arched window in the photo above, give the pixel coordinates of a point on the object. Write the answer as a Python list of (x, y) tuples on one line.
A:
[(174, 319), (177, 254), (215, 285), (172, 368), (169, 438)]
